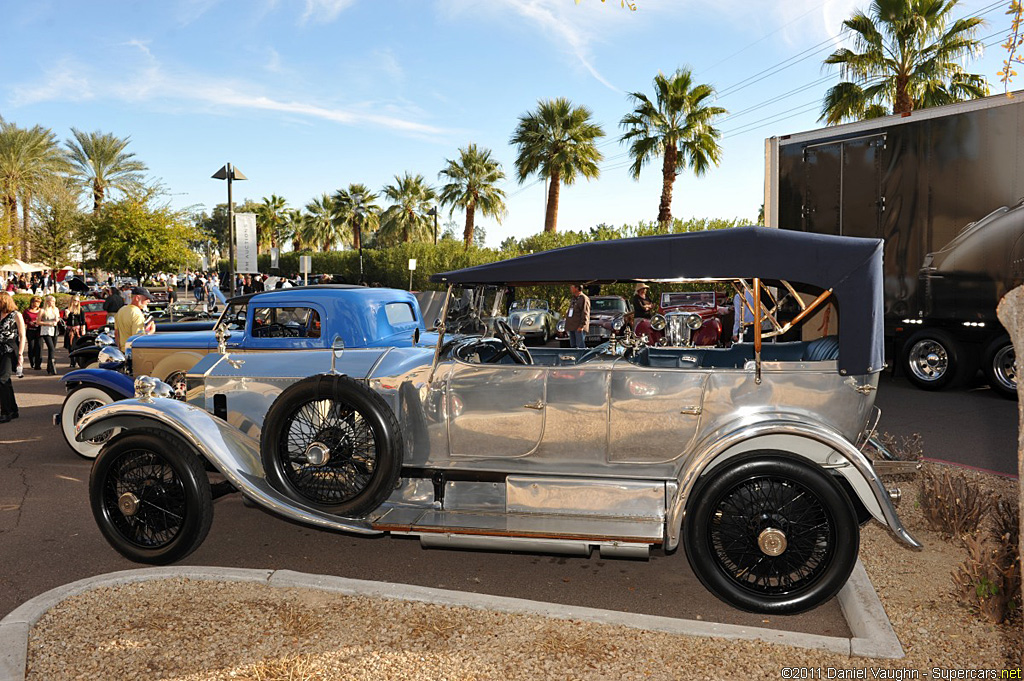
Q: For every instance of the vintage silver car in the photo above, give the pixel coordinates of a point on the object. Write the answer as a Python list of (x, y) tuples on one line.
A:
[(756, 458)]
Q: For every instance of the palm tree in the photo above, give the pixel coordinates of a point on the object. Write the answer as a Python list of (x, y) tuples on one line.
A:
[(100, 160), (361, 215), (320, 229), (294, 222), (557, 141), (909, 54), (406, 219), (678, 125), (270, 219), (28, 157), (471, 185)]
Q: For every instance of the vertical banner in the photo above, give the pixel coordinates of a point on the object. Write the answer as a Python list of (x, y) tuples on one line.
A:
[(275, 257), (245, 243), (205, 264)]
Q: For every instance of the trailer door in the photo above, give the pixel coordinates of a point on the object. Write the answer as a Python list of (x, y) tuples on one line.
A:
[(842, 187)]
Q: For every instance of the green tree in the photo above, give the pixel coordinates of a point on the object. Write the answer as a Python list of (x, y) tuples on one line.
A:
[(907, 55), (28, 157), (361, 213), (471, 184), (558, 142), (406, 219), (321, 229), (55, 233), (678, 126), (270, 221), (294, 222), (100, 161), (140, 236)]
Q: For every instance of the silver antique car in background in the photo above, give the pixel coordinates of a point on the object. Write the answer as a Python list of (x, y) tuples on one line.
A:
[(757, 458)]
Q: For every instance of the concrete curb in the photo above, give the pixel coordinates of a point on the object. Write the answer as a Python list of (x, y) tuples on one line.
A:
[(873, 636)]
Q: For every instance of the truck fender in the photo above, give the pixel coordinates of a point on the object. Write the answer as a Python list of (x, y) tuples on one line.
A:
[(233, 453), (816, 444), (113, 382)]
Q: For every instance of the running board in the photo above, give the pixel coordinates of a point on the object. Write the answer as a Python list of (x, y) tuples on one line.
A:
[(523, 531)]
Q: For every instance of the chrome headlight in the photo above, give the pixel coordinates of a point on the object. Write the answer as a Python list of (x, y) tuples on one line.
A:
[(109, 354), (694, 321), (527, 321), (148, 387), (561, 326), (104, 339), (658, 322), (618, 323)]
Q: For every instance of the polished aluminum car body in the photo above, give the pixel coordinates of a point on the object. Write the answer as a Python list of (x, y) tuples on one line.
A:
[(550, 449)]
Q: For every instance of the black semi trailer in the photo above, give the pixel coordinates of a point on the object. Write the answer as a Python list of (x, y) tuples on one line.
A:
[(943, 187)]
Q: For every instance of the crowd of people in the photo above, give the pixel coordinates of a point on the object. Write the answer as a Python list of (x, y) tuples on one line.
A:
[(38, 283)]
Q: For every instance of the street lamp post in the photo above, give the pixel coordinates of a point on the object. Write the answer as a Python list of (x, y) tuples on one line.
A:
[(230, 173), (433, 211)]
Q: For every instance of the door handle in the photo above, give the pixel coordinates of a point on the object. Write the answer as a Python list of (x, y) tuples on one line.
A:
[(539, 404), (692, 411)]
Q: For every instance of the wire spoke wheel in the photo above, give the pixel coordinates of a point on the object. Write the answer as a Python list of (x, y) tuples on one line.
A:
[(329, 451), (771, 507), (154, 496), (771, 533)]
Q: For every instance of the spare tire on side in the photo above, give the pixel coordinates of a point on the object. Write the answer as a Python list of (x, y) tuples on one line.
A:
[(331, 443)]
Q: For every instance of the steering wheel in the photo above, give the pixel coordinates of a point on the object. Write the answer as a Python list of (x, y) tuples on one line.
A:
[(512, 342)]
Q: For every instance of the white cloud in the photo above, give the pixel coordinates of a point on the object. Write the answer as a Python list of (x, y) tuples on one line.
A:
[(323, 11), (72, 82)]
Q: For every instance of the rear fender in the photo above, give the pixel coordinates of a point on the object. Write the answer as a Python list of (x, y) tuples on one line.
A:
[(233, 453), (825, 448), (110, 381)]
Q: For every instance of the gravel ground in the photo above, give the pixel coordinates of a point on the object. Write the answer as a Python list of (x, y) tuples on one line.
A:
[(190, 630)]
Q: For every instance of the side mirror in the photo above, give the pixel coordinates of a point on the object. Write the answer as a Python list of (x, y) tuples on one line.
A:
[(416, 336), (337, 349)]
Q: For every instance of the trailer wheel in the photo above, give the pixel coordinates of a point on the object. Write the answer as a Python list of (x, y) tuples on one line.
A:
[(932, 359), (1001, 367), (769, 533), (333, 444)]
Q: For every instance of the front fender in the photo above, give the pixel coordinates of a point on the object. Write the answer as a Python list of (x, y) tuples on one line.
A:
[(112, 381), (179, 361), (233, 453), (815, 443)]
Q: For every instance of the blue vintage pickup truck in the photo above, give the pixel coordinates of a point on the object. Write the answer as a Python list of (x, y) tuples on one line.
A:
[(294, 319)]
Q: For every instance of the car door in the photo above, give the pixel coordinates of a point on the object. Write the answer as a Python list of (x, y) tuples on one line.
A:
[(654, 413), (495, 410)]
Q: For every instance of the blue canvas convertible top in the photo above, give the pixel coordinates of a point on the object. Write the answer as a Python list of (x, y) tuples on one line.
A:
[(850, 267)]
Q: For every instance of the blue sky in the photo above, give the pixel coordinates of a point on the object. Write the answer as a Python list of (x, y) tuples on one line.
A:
[(306, 96)]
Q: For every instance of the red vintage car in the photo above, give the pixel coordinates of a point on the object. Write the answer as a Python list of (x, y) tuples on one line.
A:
[(686, 319), (95, 317)]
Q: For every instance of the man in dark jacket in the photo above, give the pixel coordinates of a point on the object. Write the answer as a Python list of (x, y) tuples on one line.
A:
[(577, 319), (112, 304)]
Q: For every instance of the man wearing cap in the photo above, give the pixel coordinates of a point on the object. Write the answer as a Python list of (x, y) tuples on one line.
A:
[(132, 319), (643, 307)]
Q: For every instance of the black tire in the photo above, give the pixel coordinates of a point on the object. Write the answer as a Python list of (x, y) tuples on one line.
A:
[(1001, 367), (170, 510), (361, 445), (730, 513), (933, 360)]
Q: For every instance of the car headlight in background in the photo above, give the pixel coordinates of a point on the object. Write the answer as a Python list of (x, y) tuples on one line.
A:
[(528, 321), (561, 326), (618, 323)]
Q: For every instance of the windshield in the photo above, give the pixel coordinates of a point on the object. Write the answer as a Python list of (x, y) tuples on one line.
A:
[(529, 304), (233, 317), (607, 305), (689, 299)]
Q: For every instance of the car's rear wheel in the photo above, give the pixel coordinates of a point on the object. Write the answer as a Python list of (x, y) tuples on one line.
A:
[(771, 534), (333, 444), (151, 497), (77, 404)]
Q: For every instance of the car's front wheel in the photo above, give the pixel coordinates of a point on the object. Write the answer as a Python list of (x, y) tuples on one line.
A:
[(769, 533), (933, 359), (151, 497), (77, 404)]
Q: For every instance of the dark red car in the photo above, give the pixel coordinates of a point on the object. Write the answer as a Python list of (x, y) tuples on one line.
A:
[(686, 319), (95, 317)]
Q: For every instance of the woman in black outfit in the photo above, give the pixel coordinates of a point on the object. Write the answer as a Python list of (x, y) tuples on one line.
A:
[(12, 349)]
